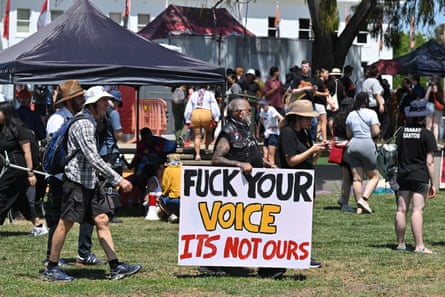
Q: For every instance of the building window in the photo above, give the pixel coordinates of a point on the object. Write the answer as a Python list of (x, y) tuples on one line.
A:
[(362, 37), (55, 14), (23, 16), (143, 20), (116, 17), (305, 29), (271, 30)]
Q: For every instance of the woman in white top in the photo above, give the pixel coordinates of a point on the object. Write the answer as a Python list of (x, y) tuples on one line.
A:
[(362, 125), (202, 112)]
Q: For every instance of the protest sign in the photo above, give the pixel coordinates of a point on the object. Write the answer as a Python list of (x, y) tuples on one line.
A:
[(259, 220)]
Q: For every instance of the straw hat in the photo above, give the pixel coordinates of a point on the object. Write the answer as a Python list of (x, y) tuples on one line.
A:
[(302, 108), (68, 90), (336, 71)]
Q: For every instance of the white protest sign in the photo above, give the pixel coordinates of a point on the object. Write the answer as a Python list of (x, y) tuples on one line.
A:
[(259, 220)]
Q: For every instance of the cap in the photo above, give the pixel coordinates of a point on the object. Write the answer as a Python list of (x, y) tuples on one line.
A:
[(251, 71), (93, 94), (117, 96), (262, 102)]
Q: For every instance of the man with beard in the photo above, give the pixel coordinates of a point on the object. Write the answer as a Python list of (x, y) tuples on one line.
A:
[(70, 102), (237, 147)]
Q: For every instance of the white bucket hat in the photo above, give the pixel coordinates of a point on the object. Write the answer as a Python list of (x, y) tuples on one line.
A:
[(93, 94)]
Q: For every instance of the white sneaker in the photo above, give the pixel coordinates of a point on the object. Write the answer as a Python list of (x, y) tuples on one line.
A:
[(173, 219), (39, 230)]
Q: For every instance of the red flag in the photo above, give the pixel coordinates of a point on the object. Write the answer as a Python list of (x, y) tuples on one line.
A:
[(126, 13), (277, 21), (6, 20), (44, 17)]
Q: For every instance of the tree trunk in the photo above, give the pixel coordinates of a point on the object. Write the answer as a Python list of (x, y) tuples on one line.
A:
[(328, 49)]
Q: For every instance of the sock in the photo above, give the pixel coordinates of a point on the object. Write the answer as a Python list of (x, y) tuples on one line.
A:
[(52, 264), (113, 263)]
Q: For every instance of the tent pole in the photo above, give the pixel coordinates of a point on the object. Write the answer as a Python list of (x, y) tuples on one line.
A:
[(137, 113)]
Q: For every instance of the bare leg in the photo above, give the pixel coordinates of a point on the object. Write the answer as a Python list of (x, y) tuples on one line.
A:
[(357, 180), (400, 220), (104, 235), (417, 219), (346, 184), (323, 121), (271, 154), (373, 180), (197, 142), (59, 236)]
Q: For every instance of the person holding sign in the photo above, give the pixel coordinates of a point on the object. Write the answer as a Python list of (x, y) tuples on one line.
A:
[(236, 146), (295, 147)]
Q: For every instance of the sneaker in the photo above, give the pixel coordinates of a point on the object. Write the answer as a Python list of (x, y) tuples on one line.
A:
[(173, 219), (347, 208), (61, 263), (123, 270), (39, 230), (56, 275), (212, 270), (91, 259), (364, 205), (315, 264), (274, 273)]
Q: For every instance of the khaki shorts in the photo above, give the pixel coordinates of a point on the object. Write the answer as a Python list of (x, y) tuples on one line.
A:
[(201, 118)]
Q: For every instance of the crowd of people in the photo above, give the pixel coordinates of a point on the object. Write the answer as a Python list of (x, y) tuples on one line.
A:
[(296, 121)]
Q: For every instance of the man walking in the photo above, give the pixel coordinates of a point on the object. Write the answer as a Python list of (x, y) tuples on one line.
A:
[(80, 203)]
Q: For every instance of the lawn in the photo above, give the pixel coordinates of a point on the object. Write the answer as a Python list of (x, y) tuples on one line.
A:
[(357, 252)]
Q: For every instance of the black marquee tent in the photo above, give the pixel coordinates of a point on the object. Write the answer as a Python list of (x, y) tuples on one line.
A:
[(428, 59), (86, 45)]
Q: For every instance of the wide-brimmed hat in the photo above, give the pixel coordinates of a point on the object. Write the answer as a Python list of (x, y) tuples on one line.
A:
[(417, 108), (93, 94), (336, 71), (69, 90), (301, 108)]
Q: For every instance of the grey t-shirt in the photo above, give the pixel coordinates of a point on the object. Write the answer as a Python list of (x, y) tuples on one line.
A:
[(372, 86), (360, 122)]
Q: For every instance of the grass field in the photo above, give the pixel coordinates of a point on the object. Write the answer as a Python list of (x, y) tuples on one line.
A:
[(357, 252)]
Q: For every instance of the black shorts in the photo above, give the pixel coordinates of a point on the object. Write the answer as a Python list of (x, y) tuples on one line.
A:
[(413, 186), (80, 204)]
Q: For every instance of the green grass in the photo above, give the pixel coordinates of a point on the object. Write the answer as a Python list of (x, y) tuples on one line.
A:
[(357, 252)]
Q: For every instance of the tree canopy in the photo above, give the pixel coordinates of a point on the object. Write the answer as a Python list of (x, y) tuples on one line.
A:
[(384, 19)]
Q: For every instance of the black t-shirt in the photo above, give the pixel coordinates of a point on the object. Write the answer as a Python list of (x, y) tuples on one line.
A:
[(413, 145), (302, 81), (330, 83), (321, 88), (11, 145), (292, 143), (349, 86), (250, 87)]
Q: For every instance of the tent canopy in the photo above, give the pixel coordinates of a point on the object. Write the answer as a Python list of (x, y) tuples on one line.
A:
[(428, 59), (180, 20), (86, 45)]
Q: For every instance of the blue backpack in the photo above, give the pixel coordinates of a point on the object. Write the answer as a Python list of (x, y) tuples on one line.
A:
[(55, 155)]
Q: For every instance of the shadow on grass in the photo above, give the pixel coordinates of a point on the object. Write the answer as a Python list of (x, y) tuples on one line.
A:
[(9, 233), (295, 277), (85, 273), (393, 247)]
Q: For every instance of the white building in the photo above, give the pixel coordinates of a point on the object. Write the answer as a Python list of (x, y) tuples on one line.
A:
[(258, 16)]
